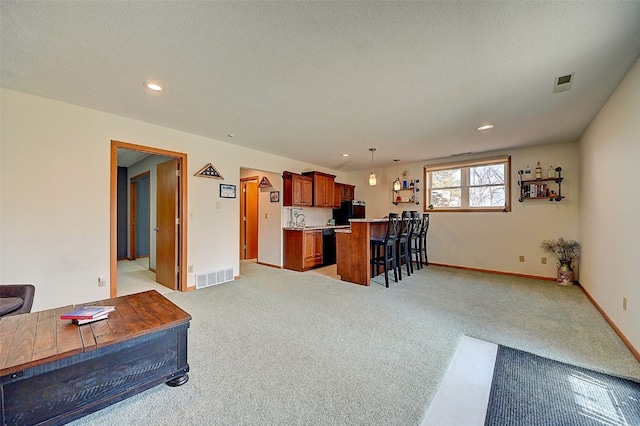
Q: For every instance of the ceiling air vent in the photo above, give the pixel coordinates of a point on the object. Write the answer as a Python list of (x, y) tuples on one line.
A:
[(563, 83)]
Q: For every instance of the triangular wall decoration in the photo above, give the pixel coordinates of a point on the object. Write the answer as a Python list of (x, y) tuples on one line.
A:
[(264, 183), (209, 171)]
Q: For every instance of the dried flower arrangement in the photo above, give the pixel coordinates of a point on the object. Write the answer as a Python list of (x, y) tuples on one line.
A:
[(567, 251)]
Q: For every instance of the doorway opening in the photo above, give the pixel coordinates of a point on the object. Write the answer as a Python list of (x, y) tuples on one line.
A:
[(139, 216), (249, 218), (261, 205), (177, 243)]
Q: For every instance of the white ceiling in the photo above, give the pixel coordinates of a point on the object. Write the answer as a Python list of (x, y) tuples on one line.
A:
[(128, 157), (313, 80)]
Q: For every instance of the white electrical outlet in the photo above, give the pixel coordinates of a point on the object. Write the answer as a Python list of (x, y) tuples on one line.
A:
[(543, 260), (190, 269), (624, 303), (521, 258), (102, 281)]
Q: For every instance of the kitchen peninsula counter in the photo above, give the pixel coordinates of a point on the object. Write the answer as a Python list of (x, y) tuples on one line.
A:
[(314, 227), (353, 255)]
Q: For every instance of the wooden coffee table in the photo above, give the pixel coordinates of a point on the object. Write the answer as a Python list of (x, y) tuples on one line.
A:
[(53, 371)]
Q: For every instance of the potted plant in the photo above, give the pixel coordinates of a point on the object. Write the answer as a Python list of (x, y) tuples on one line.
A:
[(567, 252)]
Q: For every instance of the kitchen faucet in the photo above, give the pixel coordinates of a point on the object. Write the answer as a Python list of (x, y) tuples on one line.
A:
[(294, 218)]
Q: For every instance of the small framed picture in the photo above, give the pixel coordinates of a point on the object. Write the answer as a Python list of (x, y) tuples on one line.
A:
[(274, 196), (227, 191)]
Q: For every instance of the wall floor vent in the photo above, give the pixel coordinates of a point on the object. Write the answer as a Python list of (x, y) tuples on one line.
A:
[(214, 277)]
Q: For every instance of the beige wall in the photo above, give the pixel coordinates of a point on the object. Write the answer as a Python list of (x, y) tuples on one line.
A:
[(269, 218), (54, 211), (609, 205), (492, 241), (55, 202)]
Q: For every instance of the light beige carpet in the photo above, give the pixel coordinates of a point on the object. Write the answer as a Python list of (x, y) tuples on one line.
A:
[(282, 348)]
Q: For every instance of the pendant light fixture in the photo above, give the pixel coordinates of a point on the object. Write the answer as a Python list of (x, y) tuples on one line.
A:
[(396, 183), (372, 176)]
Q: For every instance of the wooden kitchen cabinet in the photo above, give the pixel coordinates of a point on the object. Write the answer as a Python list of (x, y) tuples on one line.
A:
[(323, 184), (312, 249), (297, 190), (343, 192), (302, 249)]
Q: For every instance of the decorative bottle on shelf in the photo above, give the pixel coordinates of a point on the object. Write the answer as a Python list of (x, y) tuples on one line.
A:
[(538, 171), (551, 173)]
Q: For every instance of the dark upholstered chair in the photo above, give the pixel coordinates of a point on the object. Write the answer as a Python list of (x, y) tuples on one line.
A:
[(16, 299)]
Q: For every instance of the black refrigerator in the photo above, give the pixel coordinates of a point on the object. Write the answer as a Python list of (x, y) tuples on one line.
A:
[(353, 209)]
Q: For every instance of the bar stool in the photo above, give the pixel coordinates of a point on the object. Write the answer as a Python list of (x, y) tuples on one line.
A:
[(383, 250), (414, 240), (403, 244), (422, 239)]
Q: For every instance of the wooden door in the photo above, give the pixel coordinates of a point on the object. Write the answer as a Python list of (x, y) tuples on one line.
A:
[(307, 192), (319, 191), (298, 191), (166, 224), (317, 246), (249, 220), (349, 192), (337, 194), (312, 248), (328, 191), (309, 248)]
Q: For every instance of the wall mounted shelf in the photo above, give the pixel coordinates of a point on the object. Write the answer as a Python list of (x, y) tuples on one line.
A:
[(540, 189), (405, 196)]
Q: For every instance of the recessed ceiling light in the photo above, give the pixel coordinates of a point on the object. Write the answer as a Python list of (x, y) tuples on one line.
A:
[(153, 86), (486, 127), (345, 155)]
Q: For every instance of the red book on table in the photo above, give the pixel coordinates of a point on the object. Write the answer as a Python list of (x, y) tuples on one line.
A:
[(88, 312)]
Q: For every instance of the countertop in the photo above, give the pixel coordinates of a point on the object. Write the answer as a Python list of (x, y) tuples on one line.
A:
[(365, 220), (341, 228), (315, 227)]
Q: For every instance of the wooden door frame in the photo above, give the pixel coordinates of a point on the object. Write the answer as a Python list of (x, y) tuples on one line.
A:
[(243, 194), (182, 208), (133, 189), (133, 212)]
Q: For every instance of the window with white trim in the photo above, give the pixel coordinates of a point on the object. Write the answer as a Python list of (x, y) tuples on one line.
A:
[(475, 185)]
